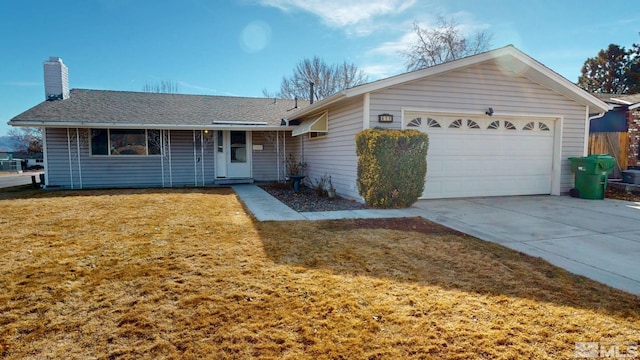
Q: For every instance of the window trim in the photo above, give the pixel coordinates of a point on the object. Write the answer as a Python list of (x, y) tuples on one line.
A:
[(109, 154), (315, 135)]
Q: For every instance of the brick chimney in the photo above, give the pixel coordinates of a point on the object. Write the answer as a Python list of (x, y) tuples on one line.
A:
[(56, 79)]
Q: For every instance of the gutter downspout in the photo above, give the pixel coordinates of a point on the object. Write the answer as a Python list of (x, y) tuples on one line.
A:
[(585, 150)]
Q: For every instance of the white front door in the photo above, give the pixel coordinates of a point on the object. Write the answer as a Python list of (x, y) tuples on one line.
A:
[(233, 154)]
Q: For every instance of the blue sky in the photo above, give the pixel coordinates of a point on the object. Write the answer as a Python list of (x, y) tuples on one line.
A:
[(239, 47)]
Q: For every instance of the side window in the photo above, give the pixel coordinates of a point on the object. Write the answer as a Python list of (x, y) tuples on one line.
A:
[(99, 142)]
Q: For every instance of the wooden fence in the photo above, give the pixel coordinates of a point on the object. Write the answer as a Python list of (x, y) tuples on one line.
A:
[(615, 144)]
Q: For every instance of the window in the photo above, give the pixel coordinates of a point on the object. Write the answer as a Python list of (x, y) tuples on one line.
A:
[(456, 124), (472, 124), (432, 123), (238, 146), (543, 127), (125, 142), (315, 135), (529, 126), (509, 125), (220, 142), (494, 125), (415, 122)]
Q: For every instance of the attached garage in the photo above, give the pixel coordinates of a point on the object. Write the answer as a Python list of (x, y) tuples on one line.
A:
[(486, 156), (499, 123)]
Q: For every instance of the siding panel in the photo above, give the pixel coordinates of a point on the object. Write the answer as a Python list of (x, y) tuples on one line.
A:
[(335, 154), (476, 88), (91, 171), (265, 161)]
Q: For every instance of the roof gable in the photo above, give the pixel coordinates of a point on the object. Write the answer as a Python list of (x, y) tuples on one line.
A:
[(508, 59)]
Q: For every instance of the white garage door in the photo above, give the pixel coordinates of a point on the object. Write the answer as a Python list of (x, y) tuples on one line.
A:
[(485, 156)]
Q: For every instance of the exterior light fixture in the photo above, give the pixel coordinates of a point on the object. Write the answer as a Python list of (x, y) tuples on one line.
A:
[(489, 111), (385, 118)]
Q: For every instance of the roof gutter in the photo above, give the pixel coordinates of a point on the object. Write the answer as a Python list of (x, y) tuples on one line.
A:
[(223, 126)]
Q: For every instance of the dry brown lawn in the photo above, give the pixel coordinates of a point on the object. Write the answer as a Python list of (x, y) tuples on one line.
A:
[(188, 274)]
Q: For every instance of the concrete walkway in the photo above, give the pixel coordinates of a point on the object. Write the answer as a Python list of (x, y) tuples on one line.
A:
[(267, 208), (599, 239)]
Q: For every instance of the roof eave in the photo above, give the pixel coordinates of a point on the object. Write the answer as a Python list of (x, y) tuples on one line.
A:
[(539, 73), (316, 106), (102, 125)]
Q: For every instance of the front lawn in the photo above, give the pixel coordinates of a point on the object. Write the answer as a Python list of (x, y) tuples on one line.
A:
[(188, 274)]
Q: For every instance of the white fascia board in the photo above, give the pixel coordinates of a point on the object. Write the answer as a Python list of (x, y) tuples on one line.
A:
[(87, 125), (541, 74), (316, 106), (634, 106), (532, 69), (419, 74)]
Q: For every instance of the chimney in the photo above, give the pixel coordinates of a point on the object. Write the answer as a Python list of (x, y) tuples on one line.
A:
[(56, 79), (310, 93)]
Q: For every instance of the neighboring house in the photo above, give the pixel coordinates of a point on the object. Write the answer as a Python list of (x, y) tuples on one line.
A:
[(617, 132), (8, 162), (499, 123), (30, 160)]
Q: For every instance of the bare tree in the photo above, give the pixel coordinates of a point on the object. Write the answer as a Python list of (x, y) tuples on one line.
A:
[(443, 43), (165, 87), (327, 79), (26, 139)]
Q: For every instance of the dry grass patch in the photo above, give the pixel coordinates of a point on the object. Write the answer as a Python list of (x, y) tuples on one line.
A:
[(188, 274)]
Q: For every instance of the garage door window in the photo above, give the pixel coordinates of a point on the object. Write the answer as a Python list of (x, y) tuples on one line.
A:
[(417, 122), (451, 123), (472, 124), (495, 125)]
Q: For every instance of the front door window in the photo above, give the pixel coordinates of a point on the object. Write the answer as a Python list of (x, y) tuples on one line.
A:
[(238, 147)]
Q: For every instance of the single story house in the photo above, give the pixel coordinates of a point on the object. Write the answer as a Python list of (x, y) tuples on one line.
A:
[(499, 123)]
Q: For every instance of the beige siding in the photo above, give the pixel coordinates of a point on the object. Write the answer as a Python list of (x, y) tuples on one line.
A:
[(476, 88), (335, 154), (265, 162)]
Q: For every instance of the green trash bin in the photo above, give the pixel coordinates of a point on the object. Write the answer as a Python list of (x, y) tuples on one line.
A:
[(591, 175)]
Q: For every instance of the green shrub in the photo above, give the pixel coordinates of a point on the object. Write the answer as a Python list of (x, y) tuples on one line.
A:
[(392, 165)]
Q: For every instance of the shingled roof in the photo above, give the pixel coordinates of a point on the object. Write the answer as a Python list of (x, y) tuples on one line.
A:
[(619, 99), (102, 108)]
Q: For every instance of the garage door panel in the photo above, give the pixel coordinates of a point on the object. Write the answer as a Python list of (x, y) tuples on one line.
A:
[(467, 162), (485, 186)]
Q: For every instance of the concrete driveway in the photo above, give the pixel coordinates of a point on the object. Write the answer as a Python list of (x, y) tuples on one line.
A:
[(599, 239)]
